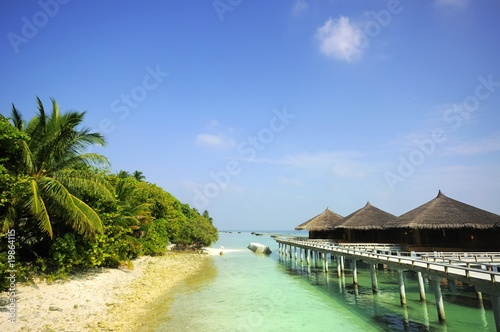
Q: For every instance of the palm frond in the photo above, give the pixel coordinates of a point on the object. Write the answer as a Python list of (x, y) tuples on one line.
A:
[(78, 214), (87, 221), (17, 118), (79, 181), (38, 208)]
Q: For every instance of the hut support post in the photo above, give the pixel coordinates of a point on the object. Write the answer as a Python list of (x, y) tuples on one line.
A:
[(295, 252), (354, 272), (452, 286), (401, 283), (325, 262), (306, 252), (439, 299), (373, 272), (290, 252), (339, 271), (421, 286), (342, 264), (495, 302)]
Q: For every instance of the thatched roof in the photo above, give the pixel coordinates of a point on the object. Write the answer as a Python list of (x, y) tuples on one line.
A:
[(324, 221), (368, 217), (444, 212)]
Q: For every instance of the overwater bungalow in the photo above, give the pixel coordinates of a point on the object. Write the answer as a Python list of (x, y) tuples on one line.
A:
[(323, 226), (445, 224), (442, 224), (368, 224)]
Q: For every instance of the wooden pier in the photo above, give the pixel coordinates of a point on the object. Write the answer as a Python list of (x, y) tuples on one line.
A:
[(480, 269)]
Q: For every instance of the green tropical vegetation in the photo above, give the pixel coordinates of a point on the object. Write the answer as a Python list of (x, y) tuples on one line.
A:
[(69, 212)]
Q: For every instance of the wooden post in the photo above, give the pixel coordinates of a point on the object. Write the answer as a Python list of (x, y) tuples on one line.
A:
[(452, 286), (479, 296), (325, 262), (342, 269), (426, 314), (495, 302), (307, 256), (354, 272), (401, 283), (439, 299), (373, 272), (421, 286), (339, 271)]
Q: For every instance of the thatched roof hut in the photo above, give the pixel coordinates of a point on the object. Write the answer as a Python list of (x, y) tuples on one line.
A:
[(368, 217), (445, 213), (325, 221)]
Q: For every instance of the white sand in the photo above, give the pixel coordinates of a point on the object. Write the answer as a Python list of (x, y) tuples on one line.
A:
[(111, 300), (219, 251)]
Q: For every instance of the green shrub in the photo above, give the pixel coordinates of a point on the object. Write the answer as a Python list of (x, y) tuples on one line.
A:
[(156, 239)]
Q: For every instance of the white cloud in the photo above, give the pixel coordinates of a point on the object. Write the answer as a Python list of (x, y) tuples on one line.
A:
[(216, 136), (299, 7), (215, 141), (452, 4), (341, 39)]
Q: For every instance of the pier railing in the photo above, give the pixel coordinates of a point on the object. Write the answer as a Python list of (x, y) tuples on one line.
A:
[(479, 268)]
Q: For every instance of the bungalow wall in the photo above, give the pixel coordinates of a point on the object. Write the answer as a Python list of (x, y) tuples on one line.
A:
[(362, 236), (396, 235), (480, 240), (337, 234), (465, 239)]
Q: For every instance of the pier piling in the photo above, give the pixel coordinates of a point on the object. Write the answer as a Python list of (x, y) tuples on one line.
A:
[(401, 283), (421, 287), (373, 272), (439, 299), (354, 272)]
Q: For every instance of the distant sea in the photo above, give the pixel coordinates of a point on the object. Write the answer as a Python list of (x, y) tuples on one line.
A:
[(244, 291)]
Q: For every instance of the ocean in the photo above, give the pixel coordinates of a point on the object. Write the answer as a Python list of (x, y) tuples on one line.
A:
[(244, 291)]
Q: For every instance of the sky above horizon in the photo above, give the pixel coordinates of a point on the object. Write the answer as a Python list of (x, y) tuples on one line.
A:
[(266, 113)]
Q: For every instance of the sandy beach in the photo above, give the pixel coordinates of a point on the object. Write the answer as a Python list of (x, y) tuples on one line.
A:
[(107, 300)]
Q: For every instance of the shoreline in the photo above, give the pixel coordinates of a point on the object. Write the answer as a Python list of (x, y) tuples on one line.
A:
[(108, 300)]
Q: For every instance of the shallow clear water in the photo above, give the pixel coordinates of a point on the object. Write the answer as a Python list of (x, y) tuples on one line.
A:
[(244, 291)]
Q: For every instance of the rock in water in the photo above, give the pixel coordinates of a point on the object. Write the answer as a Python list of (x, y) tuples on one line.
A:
[(259, 248)]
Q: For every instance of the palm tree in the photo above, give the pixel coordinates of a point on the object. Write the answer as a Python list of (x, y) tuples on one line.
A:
[(59, 172), (138, 176), (123, 174), (131, 215)]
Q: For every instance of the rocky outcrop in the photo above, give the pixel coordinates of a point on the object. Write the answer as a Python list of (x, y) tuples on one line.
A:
[(259, 248)]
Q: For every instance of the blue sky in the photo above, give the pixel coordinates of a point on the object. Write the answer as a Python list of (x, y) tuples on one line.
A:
[(265, 113)]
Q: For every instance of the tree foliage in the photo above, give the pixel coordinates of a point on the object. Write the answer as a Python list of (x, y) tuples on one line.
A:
[(69, 212)]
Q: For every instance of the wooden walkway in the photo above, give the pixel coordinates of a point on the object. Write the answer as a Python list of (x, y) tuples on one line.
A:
[(480, 269)]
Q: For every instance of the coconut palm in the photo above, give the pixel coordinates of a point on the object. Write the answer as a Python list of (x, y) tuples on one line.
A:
[(138, 176), (54, 158), (123, 174), (131, 214)]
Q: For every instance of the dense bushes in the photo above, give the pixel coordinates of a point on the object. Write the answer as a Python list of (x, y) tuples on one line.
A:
[(69, 212)]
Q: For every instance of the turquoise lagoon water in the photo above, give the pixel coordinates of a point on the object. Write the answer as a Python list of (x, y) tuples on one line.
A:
[(244, 291)]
